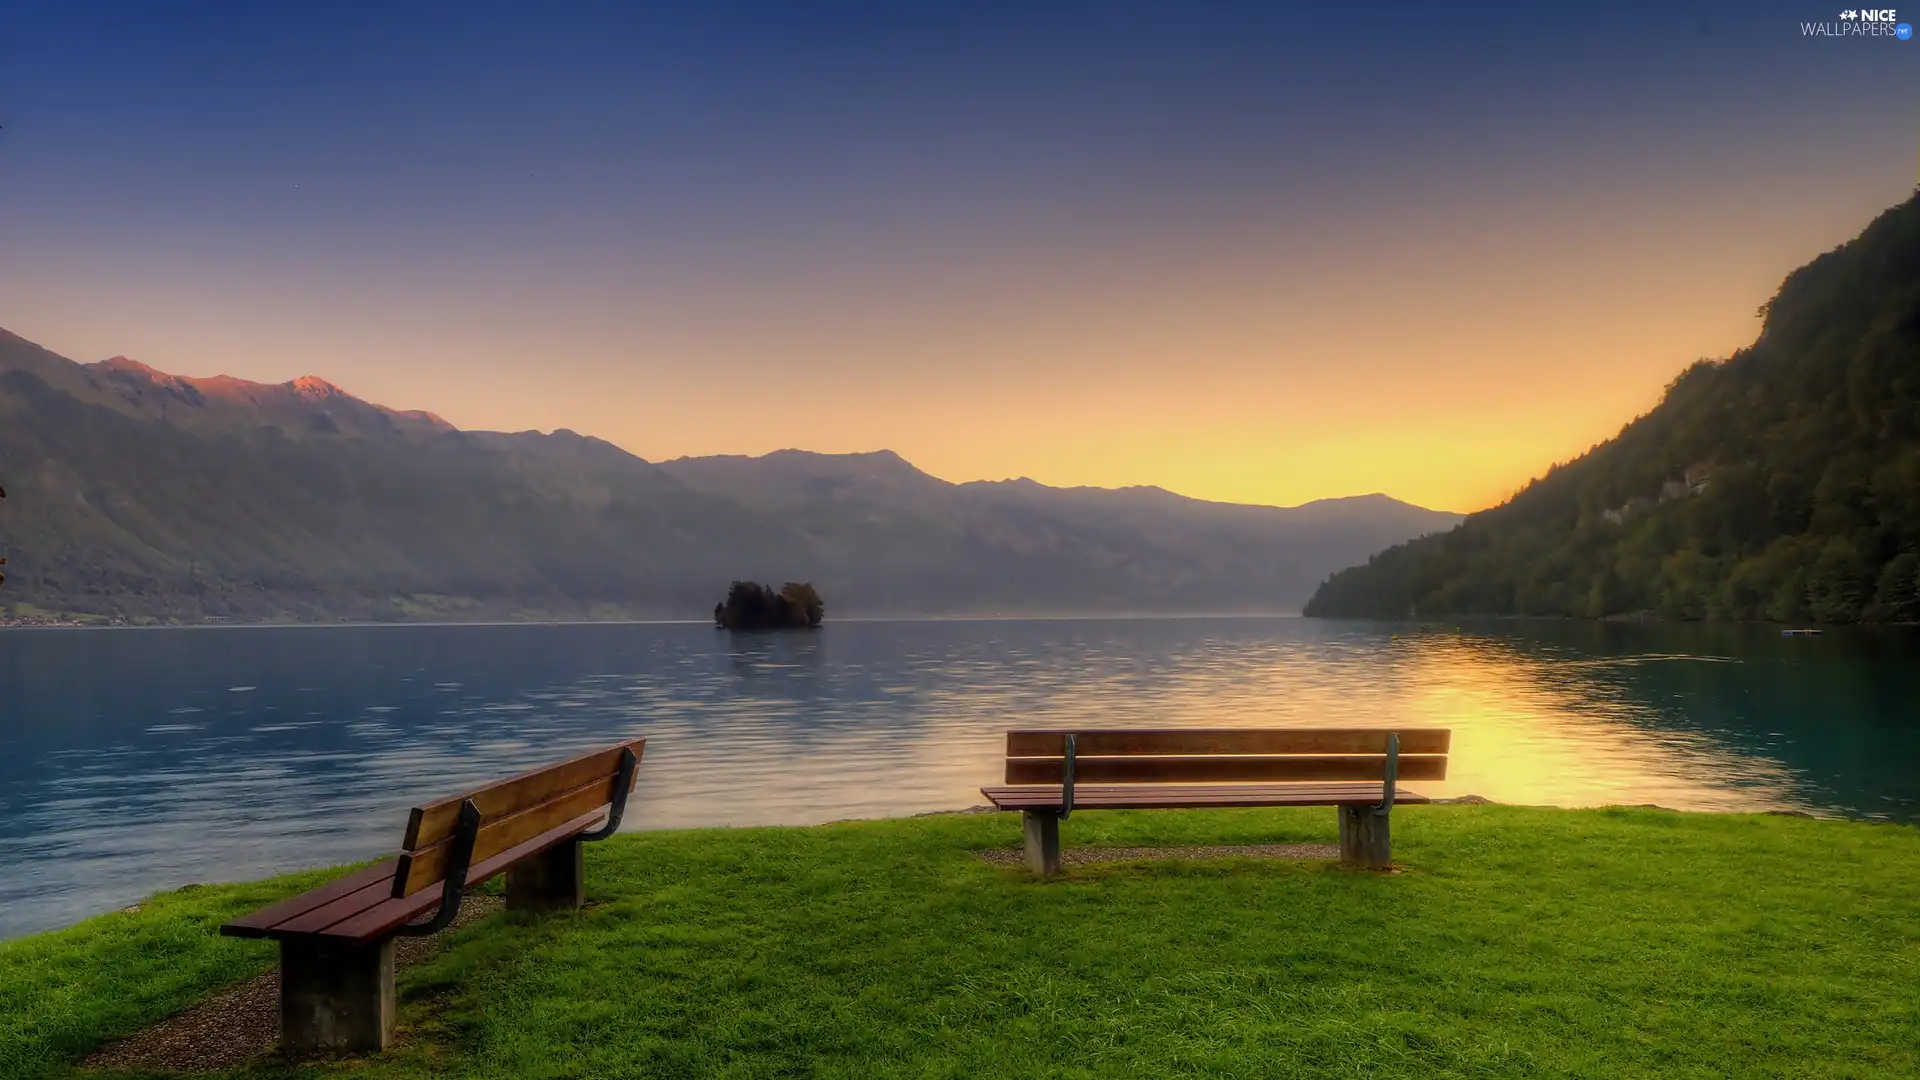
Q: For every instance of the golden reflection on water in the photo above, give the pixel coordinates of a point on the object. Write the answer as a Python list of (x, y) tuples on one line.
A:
[(1528, 728), (1537, 730)]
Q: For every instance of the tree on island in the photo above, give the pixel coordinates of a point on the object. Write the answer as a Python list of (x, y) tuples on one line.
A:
[(752, 606)]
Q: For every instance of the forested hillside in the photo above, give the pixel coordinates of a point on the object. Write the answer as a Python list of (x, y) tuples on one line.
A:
[(1782, 483)]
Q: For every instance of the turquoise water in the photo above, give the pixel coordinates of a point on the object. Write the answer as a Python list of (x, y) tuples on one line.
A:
[(136, 760)]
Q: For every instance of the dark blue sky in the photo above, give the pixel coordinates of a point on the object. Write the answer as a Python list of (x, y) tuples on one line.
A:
[(421, 112), (1081, 212)]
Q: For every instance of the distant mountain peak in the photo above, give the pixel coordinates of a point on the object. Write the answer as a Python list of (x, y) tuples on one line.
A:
[(272, 400), (315, 388), (1373, 499), (129, 367), (781, 476), (127, 363), (882, 458), (791, 461)]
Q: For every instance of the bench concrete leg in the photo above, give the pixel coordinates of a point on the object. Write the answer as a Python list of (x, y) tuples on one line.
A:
[(1365, 839), (336, 997), (554, 880), (1042, 841)]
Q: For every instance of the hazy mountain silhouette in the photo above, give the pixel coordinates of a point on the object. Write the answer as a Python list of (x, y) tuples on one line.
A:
[(142, 494)]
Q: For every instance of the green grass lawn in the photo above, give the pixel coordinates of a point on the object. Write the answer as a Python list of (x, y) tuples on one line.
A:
[(1517, 943)]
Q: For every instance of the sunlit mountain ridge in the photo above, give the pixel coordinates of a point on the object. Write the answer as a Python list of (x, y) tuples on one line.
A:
[(142, 495)]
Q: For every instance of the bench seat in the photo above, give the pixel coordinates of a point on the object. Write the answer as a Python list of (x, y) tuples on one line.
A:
[(1192, 796), (361, 907)]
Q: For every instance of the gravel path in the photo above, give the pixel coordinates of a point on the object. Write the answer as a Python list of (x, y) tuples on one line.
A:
[(242, 1022)]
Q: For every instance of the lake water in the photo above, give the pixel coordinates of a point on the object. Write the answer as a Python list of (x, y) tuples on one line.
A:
[(136, 760)]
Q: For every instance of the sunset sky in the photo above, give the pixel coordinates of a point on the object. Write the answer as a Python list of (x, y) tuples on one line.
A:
[(1245, 252)]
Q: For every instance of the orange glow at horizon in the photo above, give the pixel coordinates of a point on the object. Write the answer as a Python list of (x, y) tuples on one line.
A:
[(1444, 360)]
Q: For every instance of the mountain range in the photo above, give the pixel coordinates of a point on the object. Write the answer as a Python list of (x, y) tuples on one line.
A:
[(1779, 484), (143, 496)]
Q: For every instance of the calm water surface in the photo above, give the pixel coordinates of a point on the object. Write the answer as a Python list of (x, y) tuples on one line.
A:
[(136, 760)]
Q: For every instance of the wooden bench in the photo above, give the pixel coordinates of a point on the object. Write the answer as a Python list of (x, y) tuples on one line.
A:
[(336, 941), (1050, 774)]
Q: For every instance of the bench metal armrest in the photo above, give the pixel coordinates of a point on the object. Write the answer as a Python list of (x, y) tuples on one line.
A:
[(622, 784), (454, 885), (1393, 776), (1066, 780)]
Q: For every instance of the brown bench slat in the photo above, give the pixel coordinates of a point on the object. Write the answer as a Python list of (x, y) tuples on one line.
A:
[(1222, 768), (430, 824), (255, 924), (1242, 741), (372, 911), (1176, 796), (425, 868), (388, 915), (318, 919), (326, 921)]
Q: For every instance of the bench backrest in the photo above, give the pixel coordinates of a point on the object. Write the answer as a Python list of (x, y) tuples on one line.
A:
[(512, 812), (1228, 755)]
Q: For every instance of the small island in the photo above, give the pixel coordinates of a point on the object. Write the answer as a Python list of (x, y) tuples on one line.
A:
[(752, 606)]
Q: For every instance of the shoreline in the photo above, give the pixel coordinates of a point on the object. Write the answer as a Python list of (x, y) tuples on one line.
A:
[(975, 810), (77, 624), (1432, 621)]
